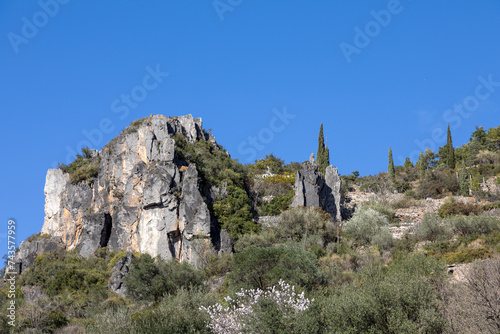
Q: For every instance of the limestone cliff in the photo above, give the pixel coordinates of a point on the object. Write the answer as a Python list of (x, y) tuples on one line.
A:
[(143, 199)]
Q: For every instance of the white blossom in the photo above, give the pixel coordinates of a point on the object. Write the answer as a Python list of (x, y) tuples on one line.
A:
[(232, 318)]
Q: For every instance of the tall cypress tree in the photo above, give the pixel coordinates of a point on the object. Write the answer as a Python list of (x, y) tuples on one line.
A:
[(450, 151), (390, 170), (464, 182), (323, 154), (422, 165)]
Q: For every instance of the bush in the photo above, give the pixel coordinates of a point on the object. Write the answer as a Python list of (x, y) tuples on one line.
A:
[(175, 314), (382, 208), (302, 224), (383, 238), (432, 228), (262, 267), (468, 255), (482, 224), (84, 168), (365, 224), (151, 279), (437, 183), (458, 208), (397, 299), (234, 213), (110, 322), (63, 271), (277, 205)]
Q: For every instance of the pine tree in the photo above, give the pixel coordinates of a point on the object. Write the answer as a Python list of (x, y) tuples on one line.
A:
[(390, 170), (323, 154), (422, 165), (450, 151), (464, 182)]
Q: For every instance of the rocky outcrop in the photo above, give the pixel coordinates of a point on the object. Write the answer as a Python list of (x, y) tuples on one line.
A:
[(118, 273), (30, 249), (144, 198), (313, 190)]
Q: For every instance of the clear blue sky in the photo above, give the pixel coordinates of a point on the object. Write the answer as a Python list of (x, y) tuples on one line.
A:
[(377, 74)]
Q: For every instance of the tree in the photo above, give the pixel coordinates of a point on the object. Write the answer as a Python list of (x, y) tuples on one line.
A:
[(234, 213), (408, 163), (450, 151), (390, 170), (323, 154), (262, 267), (464, 182), (422, 166)]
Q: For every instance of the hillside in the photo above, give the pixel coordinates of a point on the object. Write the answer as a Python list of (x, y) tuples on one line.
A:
[(162, 231)]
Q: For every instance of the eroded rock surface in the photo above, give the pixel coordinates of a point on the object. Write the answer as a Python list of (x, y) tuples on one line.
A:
[(143, 200), (314, 190)]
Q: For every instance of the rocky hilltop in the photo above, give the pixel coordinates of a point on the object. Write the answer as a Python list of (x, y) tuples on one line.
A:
[(140, 194), (143, 199)]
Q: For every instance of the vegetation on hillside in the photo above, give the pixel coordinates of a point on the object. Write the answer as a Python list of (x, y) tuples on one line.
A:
[(349, 278)]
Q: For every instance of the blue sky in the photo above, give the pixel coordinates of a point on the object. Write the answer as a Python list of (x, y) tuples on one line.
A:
[(263, 75)]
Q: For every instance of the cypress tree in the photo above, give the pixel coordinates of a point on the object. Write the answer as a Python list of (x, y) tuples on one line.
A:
[(450, 151), (390, 170), (323, 154), (421, 165), (464, 182)]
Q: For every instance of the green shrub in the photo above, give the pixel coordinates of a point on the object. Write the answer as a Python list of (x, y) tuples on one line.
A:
[(111, 322), (383, 238), (479, 225), (382, 208), (234, 213), (438, 183), (493, 240), (397, 299), (219, 264), (301, 224), (405, 202), (365, 224), (175, 314), (458, 208), (62, 271), (277, 205), (151, 279), (468, 255), (490, 206), (84, 168), (262, 267), (432, 228)]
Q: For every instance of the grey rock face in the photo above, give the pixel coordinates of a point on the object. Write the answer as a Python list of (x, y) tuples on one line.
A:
[(333, 182), (142, 200), (312, 190), (29, 250), (118, 273)]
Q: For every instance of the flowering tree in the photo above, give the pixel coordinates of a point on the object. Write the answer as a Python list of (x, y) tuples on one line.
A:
[(239, 313)]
